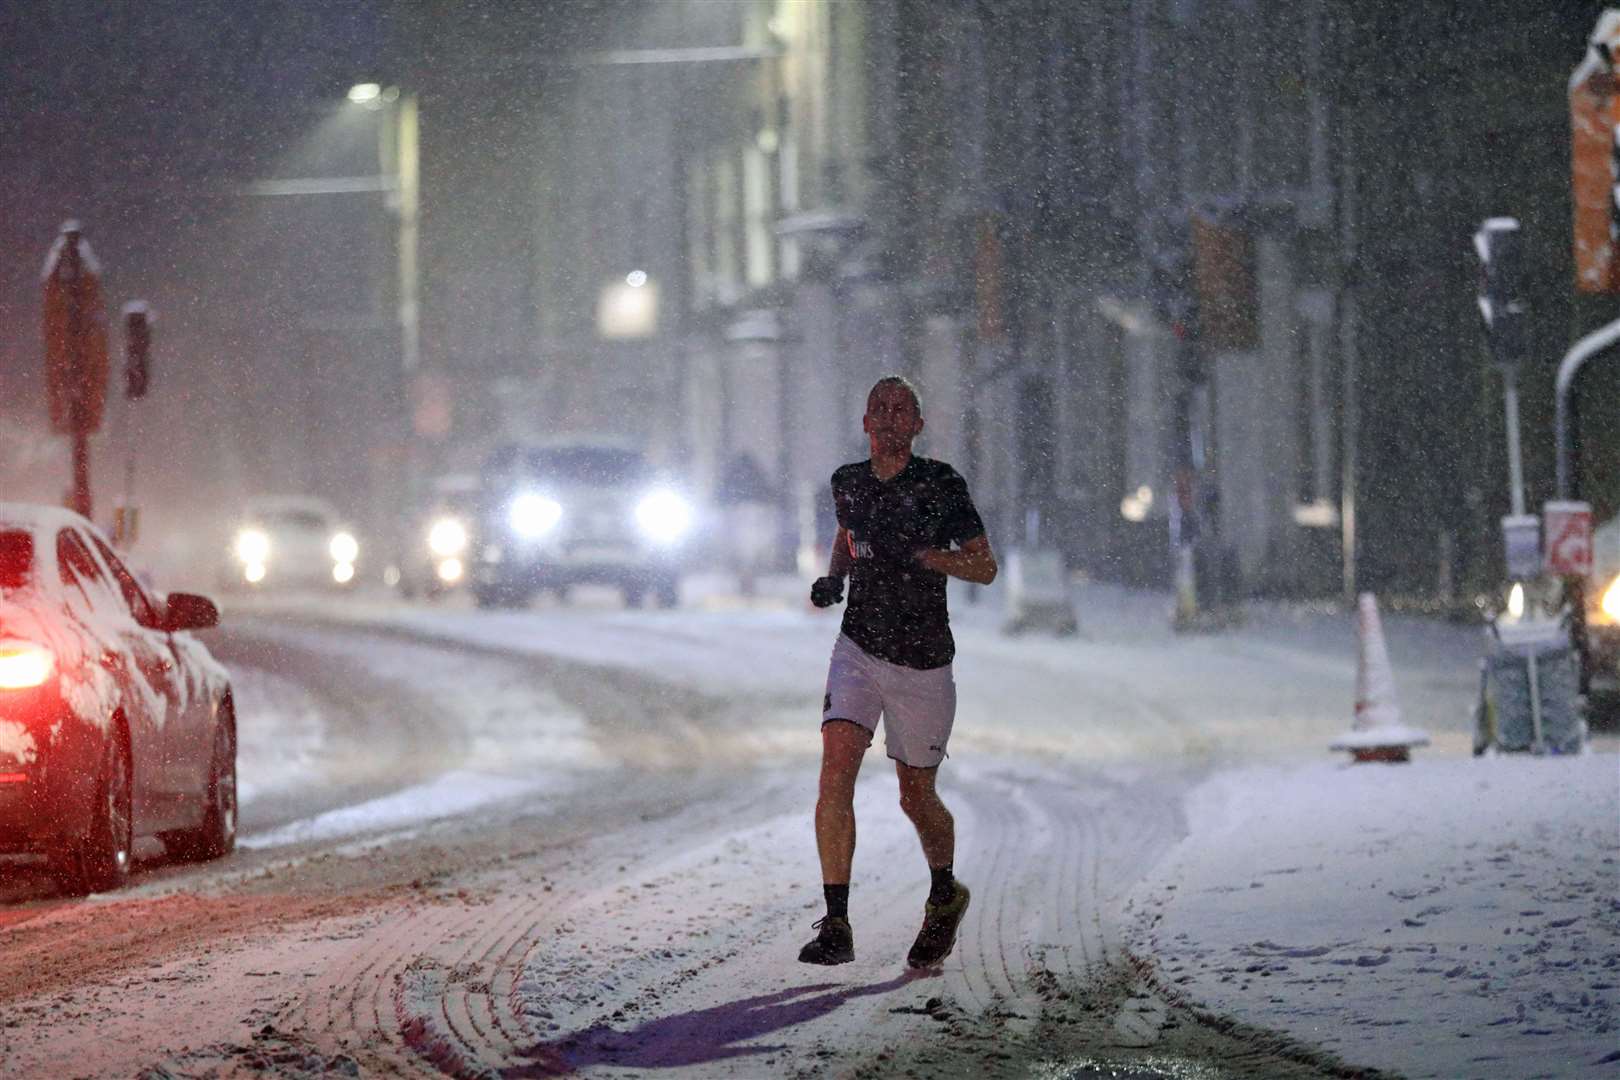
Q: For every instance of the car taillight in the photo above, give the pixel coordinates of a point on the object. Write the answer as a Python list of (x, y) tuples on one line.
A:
[(23, 666)]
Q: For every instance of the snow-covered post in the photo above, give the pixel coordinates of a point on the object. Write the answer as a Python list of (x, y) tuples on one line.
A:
[(75, 350)]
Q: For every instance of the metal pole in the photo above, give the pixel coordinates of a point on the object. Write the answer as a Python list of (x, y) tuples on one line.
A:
[(1535, 703), (76, 405), (81, 469), (407, 167), (1568, 471), (1583, 350), (1510, 397), (126, 524)]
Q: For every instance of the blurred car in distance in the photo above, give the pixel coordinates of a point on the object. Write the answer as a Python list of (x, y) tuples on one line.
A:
[(295, 541), (559, 514), (115, 722), (441, 538)]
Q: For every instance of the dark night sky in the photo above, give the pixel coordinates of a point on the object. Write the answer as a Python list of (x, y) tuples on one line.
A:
[(128, 116), (146, 121)]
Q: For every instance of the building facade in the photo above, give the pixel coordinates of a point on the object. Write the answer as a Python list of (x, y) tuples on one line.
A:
[(1158, 264)]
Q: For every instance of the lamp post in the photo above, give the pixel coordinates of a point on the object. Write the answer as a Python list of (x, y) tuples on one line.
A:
[(399, 162), (396, 178)]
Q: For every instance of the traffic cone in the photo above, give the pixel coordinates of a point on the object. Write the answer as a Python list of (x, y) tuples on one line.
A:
[(1376, 733)]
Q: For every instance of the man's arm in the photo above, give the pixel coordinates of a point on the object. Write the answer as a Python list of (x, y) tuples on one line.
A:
[(839, 563), (973, 561), (829, 590)]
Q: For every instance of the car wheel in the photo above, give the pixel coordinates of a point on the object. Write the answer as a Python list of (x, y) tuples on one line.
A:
[(216, 836), (101, 861), (669, 594), (632, 596), (489, 596)]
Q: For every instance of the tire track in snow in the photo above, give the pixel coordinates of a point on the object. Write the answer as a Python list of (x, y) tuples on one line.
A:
[(492, 975)]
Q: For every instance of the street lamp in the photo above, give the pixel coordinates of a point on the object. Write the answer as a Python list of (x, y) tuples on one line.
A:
[(396, 178), (400, 153), (400, 165)]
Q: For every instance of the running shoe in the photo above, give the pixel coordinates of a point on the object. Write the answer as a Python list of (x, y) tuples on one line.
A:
[(834, 945), (937, 937)]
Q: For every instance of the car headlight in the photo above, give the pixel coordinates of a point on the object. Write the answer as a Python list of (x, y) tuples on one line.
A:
[(664, 517), (252, 546), (343, 548), (447, 538), (533, 515), (1611, 600)]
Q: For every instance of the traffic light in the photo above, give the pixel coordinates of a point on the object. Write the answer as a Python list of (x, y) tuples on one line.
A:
[(137, 349), (1170, 278), (1501, 298)]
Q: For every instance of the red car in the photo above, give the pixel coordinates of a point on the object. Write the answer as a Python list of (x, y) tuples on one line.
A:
[(114, 721)]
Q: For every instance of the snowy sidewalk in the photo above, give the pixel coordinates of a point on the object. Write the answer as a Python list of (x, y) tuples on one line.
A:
[(1453, 917)]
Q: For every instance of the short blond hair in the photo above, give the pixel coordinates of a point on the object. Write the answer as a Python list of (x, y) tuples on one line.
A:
[(900, 381)]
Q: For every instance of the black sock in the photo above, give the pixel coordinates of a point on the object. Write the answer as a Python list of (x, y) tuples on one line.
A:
[(837, 901), (944, 886)]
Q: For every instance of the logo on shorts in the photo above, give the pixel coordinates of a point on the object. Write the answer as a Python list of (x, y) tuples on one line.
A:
[(826, 703)]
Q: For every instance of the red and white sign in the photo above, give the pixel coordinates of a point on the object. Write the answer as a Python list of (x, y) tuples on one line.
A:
[(1569, 538)]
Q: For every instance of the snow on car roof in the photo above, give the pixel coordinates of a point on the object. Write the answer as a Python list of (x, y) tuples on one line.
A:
[(40, 517), (289, 504), (63, 617)]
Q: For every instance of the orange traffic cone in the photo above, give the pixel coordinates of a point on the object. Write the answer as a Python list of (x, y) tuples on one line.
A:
[(1376, 733)]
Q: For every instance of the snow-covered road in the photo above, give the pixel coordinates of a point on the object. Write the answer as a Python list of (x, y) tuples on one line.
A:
[(577, 840)]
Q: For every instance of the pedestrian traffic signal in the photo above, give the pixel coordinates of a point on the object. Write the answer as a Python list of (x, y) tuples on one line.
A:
[(137, 349), (1501, 297)]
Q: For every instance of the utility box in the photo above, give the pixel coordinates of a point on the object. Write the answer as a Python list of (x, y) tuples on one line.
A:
[(1529, 692)]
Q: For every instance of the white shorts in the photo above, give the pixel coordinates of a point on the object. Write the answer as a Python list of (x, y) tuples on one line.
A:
[(917, 707)]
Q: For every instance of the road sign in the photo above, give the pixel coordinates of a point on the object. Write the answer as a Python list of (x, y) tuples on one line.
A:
[(1521, 542), (75, 335), (1569, 538)]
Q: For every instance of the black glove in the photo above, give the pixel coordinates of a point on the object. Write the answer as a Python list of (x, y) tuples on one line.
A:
[(827, 591)]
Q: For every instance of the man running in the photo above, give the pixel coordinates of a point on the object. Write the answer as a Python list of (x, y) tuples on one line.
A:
[(904, 524)]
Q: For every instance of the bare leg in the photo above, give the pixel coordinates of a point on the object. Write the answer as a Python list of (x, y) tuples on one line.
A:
[(843, 744), (935, 826)]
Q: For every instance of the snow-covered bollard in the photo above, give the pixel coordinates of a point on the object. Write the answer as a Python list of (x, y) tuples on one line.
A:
[(1038, 593), (1376, 733)]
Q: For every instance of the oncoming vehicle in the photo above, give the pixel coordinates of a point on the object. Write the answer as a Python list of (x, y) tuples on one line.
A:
[(115, 722), (1602, 595), (442, 539), (557, 515), (291, 540)]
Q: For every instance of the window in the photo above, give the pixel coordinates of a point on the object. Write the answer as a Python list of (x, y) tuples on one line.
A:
[(16, 558), (134, 595), (78, 567), (307, 520)]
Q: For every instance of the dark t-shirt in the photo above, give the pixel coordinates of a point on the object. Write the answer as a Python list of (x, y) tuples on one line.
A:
[(896, 608)]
